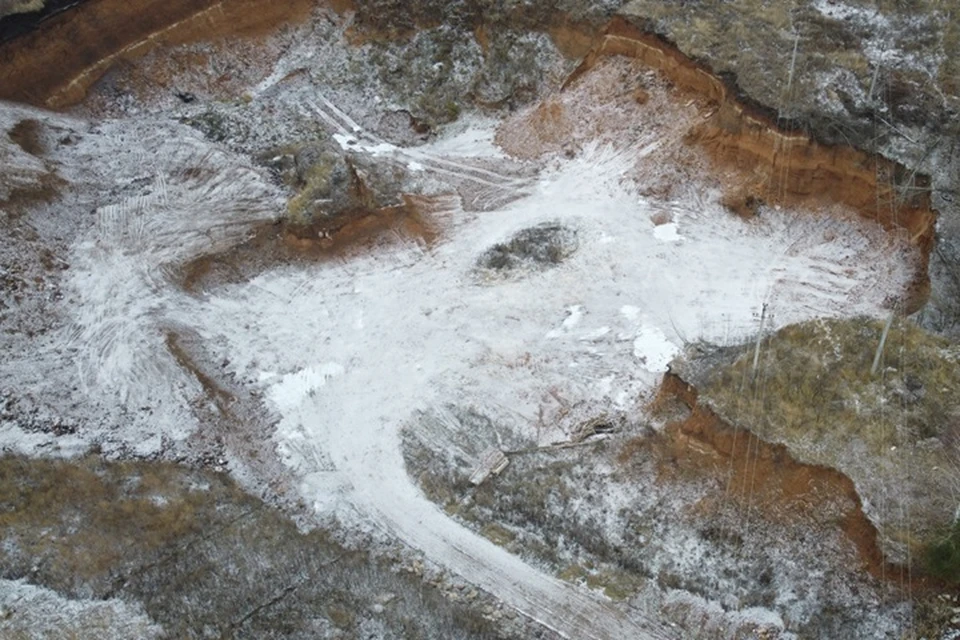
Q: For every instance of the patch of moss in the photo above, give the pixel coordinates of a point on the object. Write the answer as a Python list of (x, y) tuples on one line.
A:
[(301, 207), (615, 584), (452, 110), (942, 557), (342, 617)]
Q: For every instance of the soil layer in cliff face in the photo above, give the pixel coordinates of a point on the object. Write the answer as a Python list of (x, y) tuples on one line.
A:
[(877, 403)]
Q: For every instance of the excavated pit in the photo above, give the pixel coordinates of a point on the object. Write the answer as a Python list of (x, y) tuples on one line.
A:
[(766, 163), (760, 162), (757, 163)]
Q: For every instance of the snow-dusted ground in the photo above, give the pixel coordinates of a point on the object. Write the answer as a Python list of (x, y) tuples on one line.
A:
[(347, 353), (34, 613), (145, 196)]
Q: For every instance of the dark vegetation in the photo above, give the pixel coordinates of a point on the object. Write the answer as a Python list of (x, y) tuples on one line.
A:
[(942, 557), (18, 24), (542, 246)]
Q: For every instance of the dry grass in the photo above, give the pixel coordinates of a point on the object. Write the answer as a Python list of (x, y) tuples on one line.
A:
[(814, 381), (895, 433), (615, 584), (497, 534), (81, 520), (204, 559)]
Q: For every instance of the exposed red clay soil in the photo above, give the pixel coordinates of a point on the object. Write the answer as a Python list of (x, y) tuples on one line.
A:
[(765, 479), (767, 164), (573, 40), (28, 135), (337, 238), (55, 65)]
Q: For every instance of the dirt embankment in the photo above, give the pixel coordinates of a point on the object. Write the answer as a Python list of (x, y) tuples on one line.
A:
[(765, 162), (772, 165), (56, 64), (765, 480), (351, 233)]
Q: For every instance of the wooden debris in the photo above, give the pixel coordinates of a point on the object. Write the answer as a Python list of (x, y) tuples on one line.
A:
[(492, 462)]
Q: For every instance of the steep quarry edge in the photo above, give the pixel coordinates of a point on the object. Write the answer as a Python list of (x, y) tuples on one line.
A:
[(780, 167), (770, 164), (704, 428), (55, 65)]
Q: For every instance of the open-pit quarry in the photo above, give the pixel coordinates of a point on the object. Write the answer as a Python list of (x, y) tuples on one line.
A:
[(468, 320)]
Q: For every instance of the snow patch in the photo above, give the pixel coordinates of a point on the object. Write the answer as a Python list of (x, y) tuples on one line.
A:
[(28, 611), (470, 136), (652, 348), (574, 316), (630, 312), (667, 232), (288, 392)]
